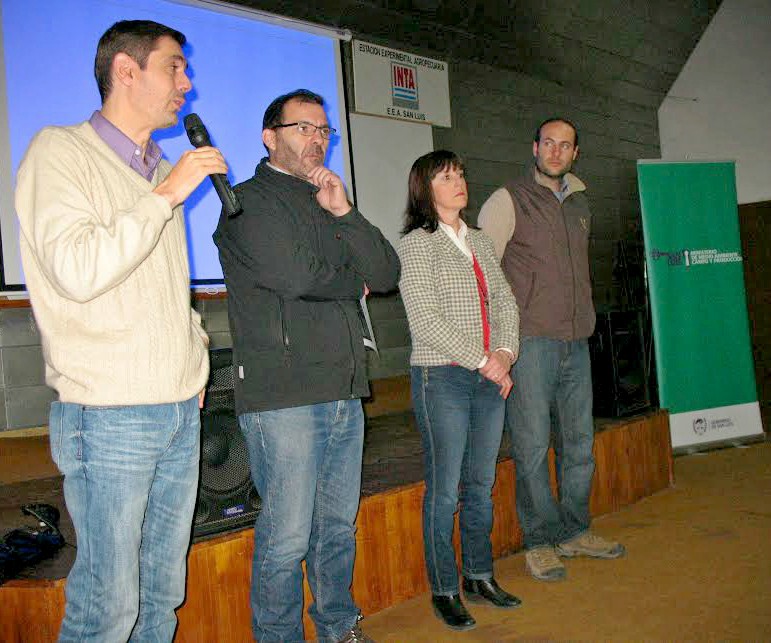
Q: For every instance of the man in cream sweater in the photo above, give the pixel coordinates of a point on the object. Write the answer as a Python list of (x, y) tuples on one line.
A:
[(104, 253)]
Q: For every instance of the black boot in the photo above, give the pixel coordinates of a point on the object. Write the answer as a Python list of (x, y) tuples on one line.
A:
[(452, 612), (488, 591)]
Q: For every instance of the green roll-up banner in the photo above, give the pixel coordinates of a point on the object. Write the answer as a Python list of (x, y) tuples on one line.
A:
[(696, 282)]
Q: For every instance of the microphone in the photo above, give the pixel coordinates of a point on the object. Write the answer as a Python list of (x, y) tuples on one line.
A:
[(196, 132)]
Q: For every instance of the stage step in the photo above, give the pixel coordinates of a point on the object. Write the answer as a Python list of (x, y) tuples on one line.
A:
[(634, 460)]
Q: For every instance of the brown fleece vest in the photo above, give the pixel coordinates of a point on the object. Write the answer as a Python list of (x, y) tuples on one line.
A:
[(547, 262)]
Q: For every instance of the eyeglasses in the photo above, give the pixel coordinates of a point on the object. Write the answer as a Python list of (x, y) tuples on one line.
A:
[(309, 129)]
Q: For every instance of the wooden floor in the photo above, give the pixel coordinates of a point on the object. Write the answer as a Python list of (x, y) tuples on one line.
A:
[(633, 461), (25, 456), (696, 569)]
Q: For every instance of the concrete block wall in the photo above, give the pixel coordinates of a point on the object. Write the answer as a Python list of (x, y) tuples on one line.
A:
[(25, 398)]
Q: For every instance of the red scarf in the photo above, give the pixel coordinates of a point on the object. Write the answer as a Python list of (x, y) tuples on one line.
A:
[(482, 289)]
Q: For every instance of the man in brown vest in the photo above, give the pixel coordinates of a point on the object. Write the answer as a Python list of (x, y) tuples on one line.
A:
[(539, 224)]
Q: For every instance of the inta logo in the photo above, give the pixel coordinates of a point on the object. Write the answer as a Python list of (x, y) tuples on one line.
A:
[(404, 85)]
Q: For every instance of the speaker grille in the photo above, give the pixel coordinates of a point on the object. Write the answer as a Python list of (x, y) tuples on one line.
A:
[(226, 497), (224, 457)]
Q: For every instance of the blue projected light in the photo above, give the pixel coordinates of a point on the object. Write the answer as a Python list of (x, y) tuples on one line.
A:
[(237, 66)]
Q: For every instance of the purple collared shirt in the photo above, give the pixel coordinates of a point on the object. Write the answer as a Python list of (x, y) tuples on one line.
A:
[(125, 148)]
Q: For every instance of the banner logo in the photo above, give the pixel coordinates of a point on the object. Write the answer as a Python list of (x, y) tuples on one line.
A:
[(699, 257), (676, 258), (404, 85), (701, 425)]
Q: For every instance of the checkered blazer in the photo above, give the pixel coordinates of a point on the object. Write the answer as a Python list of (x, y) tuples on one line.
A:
[(440, 294)]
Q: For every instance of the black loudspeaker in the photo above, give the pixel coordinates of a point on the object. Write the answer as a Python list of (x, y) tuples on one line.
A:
[(227, 498), (619, 375)]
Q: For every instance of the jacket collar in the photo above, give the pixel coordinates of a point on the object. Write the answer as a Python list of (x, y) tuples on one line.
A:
[(574, 183), (288, 181)]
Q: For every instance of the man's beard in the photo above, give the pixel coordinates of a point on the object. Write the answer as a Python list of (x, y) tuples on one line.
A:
[(550, 173), (294, 163), (310, 163)]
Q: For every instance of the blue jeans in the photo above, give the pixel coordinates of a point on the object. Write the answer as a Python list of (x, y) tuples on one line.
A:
[(552, 390), (306, 466), (460, 417), (130, 483)]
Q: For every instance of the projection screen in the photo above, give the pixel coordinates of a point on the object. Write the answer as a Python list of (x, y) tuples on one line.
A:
[(238, 63)]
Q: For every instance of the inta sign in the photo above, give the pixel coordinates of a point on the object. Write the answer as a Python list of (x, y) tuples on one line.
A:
[(404, 86), (393, 83)]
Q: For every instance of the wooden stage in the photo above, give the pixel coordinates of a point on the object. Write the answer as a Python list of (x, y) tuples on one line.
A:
[(634, 460)]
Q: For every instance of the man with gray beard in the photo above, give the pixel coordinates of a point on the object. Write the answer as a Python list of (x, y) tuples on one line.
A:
[(296, 263)]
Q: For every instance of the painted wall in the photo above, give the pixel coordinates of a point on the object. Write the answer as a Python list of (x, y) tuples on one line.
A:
[(720, 105)]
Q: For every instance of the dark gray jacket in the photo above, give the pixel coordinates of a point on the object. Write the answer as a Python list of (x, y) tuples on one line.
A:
[(294, 275)]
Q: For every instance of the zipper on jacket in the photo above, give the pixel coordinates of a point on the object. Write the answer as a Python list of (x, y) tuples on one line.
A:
[(284, 334), (572, 270)]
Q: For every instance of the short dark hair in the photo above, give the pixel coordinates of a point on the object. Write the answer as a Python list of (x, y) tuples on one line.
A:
[(556, 119), (421, 211), (275, 111), (137, 38)]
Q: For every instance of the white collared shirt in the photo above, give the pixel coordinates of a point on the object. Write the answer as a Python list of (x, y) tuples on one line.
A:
[(459, 238)]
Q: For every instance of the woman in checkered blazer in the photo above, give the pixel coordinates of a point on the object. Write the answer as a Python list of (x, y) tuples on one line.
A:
[(464, 324)]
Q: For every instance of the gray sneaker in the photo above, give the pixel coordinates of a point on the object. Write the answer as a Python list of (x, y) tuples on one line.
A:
[(543, 564), (355, 635), (591, 545)]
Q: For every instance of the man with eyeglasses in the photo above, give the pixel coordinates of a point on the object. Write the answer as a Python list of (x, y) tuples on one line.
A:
[(296, 262), (539, 224)]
